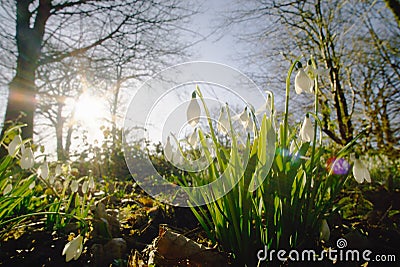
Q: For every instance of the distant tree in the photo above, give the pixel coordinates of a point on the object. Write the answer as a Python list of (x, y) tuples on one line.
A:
[(48, 31), (335, 32), (376, 79), (65, 81)]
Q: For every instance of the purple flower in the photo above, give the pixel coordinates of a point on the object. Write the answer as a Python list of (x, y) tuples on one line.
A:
[(338, 166)]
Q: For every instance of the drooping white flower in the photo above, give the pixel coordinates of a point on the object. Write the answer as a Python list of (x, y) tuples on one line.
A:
[(168, 149), (251, 126), (192, 140), (211, 147), (91, 183), (223, 122), (32, 185), (74, 186), (52, 178), (27, 161), (43, 170), (193, 111), (307, 130), (303, 83), (85, 186), (68, 167), (58, 170), (7, 189), (65, 184), (325, 232), (266, 107), (73, 249), (14, 145), (177, 157), (310, 71), (360, 172), (244, 119)]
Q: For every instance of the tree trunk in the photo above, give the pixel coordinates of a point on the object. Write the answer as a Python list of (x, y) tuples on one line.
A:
[(114, 107), (22, 91), (21, 102), (59, 125), (68, 138)]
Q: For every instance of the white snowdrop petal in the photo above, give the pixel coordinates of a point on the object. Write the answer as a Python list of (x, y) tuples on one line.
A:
[(27, 159), (307, 130), (168, 149), (13, 146), (74, 186), (85, 186), (193, 112), (58, 170), (7, 189), (302, 83)]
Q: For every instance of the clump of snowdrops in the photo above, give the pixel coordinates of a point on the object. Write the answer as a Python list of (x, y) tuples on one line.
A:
[(283, 186), (31, 188)]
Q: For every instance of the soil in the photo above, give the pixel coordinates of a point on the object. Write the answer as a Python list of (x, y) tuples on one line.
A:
[(376, 231)]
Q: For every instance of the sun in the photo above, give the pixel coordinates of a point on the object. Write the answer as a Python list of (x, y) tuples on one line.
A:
[(90, 112), (89, 109)]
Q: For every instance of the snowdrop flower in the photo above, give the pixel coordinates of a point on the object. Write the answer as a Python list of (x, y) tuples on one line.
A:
[(244, 118), (310, 71), (307, 130), (27, 159), (91, 183), (7, 189), (65, 184), (85, 186), (325, 232), (177, 157), (43, 170), (52, 178), (74, 186), (223, 123), (302, 82), (32, 185), (193, 111), (73, 249), (192, 140), (58, 170), (14, 145), (360, 172), (211, 147), (266, 107), (168, 149), (68, 167), (251, 126)]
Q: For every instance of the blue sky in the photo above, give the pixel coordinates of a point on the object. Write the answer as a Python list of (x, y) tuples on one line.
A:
[(220, 46)]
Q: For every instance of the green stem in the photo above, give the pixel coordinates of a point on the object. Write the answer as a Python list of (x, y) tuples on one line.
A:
[(316, 88), (286, 123)]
